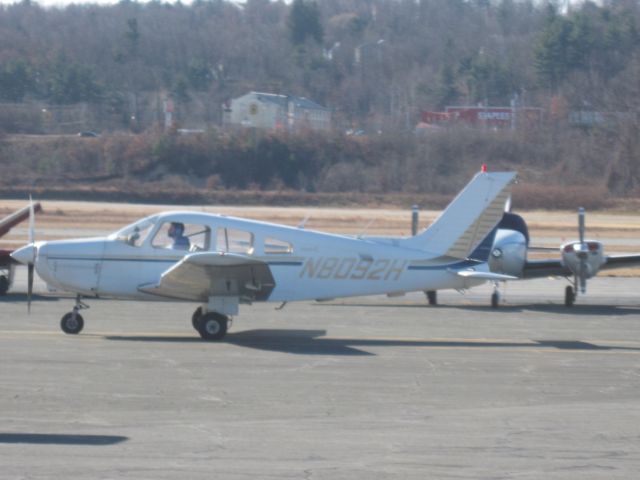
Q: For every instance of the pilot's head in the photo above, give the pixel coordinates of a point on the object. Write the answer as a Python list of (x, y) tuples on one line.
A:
[(176, 229)]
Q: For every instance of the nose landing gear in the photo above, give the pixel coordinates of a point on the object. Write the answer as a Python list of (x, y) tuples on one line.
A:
[(569, 296), (72, 322), (495, 296)]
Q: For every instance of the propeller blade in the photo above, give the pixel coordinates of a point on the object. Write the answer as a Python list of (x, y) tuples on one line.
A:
[(583, 276), (29, 286), (507, 205), (581, 227), (32, 221)]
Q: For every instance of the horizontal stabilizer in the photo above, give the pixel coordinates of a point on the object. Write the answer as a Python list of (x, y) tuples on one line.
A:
[(492, 277)]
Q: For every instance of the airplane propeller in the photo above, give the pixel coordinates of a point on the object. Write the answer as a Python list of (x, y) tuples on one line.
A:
[(582, 253)]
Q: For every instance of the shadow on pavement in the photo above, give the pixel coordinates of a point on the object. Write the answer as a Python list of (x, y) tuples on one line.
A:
[(312, 342), (556, 309), (60, 439)]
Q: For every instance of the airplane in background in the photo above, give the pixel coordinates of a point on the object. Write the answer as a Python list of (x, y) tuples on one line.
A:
[(578, 260), (7, 264), (221, 262)]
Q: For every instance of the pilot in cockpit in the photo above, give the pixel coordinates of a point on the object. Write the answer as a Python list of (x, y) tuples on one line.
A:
[(176, 231)]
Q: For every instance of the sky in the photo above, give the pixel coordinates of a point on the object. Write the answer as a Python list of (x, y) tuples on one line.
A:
[(64, 3)]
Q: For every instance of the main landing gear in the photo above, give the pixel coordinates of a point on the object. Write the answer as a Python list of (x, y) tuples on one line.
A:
[(72, 322), (210, 325), (432, 296), (495, 296), (4, 284)]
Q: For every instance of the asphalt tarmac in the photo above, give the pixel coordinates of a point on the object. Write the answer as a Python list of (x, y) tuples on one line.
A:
[(366, 388)]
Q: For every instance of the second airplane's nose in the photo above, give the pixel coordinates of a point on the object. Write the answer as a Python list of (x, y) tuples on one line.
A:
[(25, 255)]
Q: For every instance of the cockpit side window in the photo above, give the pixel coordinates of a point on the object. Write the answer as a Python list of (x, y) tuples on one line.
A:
[(135, 234), (275, 246), (182, 236), (231, 240)]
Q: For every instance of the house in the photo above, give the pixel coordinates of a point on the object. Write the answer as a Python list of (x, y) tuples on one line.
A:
[(274, 112)]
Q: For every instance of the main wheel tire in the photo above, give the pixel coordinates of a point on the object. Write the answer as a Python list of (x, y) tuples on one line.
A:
[(195, 318), (495, 300), (72, 325), (4, 285), (569, 296), (213, 326), (432, 297)]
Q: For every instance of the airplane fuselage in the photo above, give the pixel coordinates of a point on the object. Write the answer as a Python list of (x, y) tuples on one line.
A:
[(304, 264)]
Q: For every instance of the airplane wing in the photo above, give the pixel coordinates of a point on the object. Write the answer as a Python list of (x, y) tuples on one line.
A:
[(554, 268), (199, 276), (621, 261), (490, 276)]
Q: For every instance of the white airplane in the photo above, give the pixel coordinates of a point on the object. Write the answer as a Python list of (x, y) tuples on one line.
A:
[(222, 262)]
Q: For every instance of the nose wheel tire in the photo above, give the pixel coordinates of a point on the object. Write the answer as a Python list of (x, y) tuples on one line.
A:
[(213, 326), (72, 324), (569, 296)]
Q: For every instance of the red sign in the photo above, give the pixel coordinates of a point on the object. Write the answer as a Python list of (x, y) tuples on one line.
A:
[(499, 117)]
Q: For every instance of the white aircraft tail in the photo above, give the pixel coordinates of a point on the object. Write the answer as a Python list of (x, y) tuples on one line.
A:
[(468, 223)]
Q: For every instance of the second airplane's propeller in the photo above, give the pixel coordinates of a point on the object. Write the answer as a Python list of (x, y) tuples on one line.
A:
[(583, 253)]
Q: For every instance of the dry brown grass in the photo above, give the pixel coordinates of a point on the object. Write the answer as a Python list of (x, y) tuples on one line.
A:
[(619, 230)]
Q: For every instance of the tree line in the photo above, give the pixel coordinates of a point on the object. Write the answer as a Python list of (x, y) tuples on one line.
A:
[(361, 58), (378, 61)]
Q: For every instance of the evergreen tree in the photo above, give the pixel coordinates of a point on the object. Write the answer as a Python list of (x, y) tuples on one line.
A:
[(446, 92), (304, 22), (16, 79)]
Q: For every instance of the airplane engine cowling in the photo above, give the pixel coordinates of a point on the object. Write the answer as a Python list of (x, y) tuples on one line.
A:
[(509, 253), (591, 251)]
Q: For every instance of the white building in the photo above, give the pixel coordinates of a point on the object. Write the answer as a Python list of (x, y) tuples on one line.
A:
[(273, 112)]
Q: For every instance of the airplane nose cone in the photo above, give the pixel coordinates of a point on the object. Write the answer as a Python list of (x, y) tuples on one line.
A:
[(25, 254)]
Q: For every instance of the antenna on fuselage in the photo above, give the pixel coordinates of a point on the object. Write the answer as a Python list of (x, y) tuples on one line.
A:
[(366, 227), (304, 221)]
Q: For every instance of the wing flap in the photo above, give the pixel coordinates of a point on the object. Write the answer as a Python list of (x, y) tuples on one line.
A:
[(214, 274)]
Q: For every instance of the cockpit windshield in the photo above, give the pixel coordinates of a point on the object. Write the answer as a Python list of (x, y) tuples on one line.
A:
[(136, 233)]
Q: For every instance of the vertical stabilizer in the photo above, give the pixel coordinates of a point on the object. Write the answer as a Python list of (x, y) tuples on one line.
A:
[(469, 218)]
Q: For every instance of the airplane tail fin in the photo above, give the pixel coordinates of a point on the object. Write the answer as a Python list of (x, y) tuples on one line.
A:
[(466, 228)]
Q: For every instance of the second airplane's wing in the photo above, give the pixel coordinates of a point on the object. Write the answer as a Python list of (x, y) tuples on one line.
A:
[(544, 268), (209, 274), (621, 261), (554, 268)]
